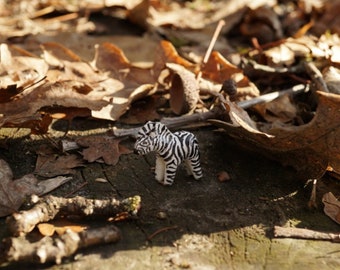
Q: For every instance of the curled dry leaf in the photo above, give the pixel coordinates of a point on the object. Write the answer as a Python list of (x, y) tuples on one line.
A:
[(184, 92), (218, 70), (311, 148), (262, 23), (279, 110)]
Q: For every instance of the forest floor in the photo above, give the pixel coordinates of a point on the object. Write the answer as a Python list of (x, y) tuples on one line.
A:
[(205, 224)]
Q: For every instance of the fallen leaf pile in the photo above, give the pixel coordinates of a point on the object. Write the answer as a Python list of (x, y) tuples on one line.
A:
[(52, 69)]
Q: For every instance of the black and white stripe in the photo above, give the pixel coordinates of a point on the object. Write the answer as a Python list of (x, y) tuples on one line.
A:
[(171, 148)]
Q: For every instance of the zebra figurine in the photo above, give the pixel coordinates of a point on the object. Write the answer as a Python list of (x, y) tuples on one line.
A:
[(171, 148)]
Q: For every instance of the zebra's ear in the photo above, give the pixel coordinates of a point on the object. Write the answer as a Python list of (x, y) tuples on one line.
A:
[(160, 127)]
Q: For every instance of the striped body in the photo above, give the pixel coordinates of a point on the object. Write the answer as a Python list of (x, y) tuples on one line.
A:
[(171, 148)]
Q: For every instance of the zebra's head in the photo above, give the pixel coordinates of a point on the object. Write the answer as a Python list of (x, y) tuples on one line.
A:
[(148, 137), (145, 144)]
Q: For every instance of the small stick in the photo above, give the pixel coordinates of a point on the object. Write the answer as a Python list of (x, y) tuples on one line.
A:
[(312, 200), (316, 76), (305, 234), (76, 190), (160, 231), (172, 122), (269, 69), (218, 29), (271, 96)]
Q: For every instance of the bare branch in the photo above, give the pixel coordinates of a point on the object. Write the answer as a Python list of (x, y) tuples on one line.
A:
[(50, 207)]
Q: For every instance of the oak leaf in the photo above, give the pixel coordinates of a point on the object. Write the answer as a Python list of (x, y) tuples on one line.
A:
[(102, 147), (311, 149), (53, 165)]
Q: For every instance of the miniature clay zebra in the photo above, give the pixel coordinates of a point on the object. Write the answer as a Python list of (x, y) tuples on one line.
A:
[(171, 148)]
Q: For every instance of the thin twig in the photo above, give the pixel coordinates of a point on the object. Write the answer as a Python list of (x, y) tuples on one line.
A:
[(312, 200), (76, 190), (316, 76), (173, 122), (218, 29), (257, 66), (160, 231), (271, 96)]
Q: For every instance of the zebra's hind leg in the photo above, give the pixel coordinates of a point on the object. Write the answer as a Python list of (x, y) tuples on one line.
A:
[(160, 169), (194, 167)]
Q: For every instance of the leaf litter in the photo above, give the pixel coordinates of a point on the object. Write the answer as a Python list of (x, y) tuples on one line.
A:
[(265, 48)]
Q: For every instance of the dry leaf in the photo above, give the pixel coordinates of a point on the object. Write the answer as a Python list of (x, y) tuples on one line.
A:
[(184, 91), (14, 192), (53, 165), (143, 110), (102, 147), (72, 83), (332, 206), (310, 148), (262, 23), (59, 226), (46, 229), (279, 110)]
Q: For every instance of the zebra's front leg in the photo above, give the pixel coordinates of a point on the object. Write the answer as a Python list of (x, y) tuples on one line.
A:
[(160, 169), (170, 173)]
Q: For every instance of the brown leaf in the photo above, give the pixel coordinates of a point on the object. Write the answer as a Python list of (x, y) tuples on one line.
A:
[(52, 165), (59, 226), (102, 147), (46, 229), (332, 206), (14, 193), (111, 58), (279, 110), (184, 91), (143, 110), (311, 148)]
